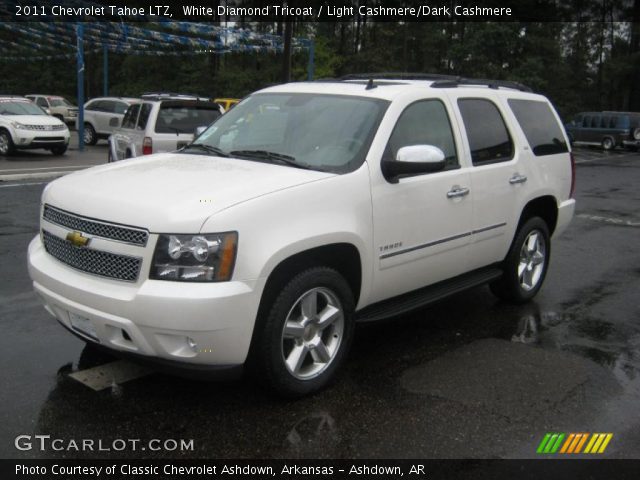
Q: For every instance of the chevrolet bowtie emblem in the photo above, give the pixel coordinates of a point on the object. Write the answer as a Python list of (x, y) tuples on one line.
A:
[(77, 239)]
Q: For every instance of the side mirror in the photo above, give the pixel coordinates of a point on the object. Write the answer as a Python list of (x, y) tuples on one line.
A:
[(200, 130), (414, 159)]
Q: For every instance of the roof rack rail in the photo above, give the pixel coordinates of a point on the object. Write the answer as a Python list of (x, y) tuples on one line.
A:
[(495, 84), (172, 96), (397, 76)]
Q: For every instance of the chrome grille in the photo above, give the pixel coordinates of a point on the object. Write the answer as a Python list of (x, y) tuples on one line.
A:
[(131, 235), (45, 127), (104, 264)]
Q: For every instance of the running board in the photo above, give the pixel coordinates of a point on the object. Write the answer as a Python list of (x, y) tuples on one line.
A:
[(427, 295)]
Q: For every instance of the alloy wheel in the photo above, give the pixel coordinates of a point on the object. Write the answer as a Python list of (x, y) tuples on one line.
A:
[(312, 333), (532, 257)]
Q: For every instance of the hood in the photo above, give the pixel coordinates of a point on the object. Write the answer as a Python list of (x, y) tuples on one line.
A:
[(172, 192), (34, 119)]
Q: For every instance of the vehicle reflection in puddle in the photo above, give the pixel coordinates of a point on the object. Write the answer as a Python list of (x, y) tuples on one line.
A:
[(596, 339), (314, 433)]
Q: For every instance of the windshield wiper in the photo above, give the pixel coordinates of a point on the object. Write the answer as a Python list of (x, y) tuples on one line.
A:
[(272, 156), (205, 148)]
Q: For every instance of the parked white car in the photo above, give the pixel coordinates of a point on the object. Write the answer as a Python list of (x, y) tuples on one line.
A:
[(57, 106), (160, 124), (306, 208), (25, 126), (103, 115)]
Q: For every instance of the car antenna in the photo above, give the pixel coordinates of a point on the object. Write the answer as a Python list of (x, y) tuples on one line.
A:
[(370, 85)]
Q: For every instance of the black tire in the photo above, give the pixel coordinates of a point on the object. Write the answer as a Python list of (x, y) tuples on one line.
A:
[(6, 143), (59, 150), (90, 135), (269, 347), (511, 286), (608, 143)]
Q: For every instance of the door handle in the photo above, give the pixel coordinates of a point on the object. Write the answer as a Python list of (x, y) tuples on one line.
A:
[(517, 178), (457, 191)]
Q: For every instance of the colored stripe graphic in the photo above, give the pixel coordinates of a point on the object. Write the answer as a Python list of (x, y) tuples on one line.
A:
[(573, 443), (543, 443)]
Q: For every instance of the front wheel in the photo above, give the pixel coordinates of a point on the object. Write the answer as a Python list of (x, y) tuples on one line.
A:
[(59, 150), (307, 333), (608, 143), (6, 143), (525, 266)]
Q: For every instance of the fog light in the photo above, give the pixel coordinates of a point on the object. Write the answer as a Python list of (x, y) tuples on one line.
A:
[(192, 344)]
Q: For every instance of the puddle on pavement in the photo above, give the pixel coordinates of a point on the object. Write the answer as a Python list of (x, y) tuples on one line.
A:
[(593, 338)]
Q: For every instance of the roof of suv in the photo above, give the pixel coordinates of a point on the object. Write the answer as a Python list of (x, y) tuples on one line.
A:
[(388, 88), (121, 99)]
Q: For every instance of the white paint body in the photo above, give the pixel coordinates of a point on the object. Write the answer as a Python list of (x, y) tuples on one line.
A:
[(279, 211)]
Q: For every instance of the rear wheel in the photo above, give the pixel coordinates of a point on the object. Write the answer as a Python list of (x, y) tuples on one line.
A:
[(525, 266), (306, 335), (6, 143), (90, 136), (608, 143)]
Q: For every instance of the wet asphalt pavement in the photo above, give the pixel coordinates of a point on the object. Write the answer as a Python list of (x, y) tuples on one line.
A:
[(468, 377)]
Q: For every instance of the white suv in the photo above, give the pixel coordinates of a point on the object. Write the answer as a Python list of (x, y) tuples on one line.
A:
[(102, 116), (304, 209), (161, 124), (25, 126)]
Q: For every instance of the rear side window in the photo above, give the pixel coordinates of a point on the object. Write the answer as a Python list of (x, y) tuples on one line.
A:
[(539, 126), (120, 107), (145, 111), (129, 120), (489, 138)]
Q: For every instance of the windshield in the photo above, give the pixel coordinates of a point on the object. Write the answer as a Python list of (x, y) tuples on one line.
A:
[(19, 108), (323, 132), (59, 102)]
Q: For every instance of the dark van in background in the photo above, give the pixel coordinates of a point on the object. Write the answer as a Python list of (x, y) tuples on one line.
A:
[(607, 129)]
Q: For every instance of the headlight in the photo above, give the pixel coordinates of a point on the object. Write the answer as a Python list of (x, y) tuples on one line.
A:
[(20, 126), (195, 258)]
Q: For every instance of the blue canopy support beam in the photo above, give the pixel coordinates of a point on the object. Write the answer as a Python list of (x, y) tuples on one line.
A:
[(105, 70), (311, 65), (80, 80)]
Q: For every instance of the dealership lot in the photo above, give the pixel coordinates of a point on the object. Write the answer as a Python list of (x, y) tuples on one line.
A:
[(469, 377)]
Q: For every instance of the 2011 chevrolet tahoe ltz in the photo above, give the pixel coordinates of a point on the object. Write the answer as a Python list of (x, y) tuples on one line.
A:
[(306, 208)]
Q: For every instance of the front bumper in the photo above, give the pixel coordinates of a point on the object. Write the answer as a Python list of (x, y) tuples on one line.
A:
[(187, 323), (27, 139), (631, 143)]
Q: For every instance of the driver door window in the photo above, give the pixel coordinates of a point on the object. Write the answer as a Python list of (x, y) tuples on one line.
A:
[(424, 122)]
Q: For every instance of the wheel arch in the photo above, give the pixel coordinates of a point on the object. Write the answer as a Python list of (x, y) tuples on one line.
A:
[(545, 207), (343, 257)]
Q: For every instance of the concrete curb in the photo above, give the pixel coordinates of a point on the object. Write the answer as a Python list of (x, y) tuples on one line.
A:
[(33, 176)]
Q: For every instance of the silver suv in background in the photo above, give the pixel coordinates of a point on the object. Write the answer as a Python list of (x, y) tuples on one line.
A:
[(56, 106), (102, 116), (161, 123)]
